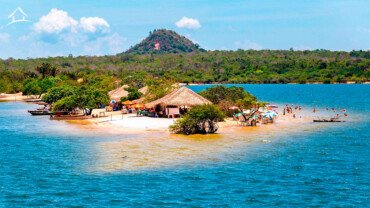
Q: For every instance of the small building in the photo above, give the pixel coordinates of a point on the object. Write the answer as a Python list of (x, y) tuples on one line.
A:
[(177, 101), (117, 93)]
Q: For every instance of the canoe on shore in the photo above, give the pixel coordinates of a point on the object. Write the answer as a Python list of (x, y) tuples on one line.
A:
[(69, 117)]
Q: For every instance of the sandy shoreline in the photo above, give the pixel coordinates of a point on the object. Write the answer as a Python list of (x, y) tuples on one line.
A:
[(15, 97), (154, 147), (131, 143)]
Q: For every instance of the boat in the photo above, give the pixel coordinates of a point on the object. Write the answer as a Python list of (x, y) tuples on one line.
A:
[(327, 120), (39, 112), (69, 117)]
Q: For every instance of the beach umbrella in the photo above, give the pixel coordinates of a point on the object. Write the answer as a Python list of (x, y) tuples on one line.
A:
[(273, 113), (127, 102), (138, 106), (270, 114), (234, 108)]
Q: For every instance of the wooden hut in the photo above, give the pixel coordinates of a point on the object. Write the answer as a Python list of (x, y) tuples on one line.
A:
[(116, 94), (181, 98)]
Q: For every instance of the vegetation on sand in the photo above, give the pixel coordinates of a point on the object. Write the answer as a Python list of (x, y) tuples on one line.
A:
[(200, 119), (227, 97)]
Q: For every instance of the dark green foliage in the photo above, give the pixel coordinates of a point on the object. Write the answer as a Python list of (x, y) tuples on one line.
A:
[(31, 87), (135, 78), (133, 94), (57, 93), (221, 93), (169, 42), (226, 97), (200, 119), (265, 66), (38, 86), (85, 98), (46, 69)]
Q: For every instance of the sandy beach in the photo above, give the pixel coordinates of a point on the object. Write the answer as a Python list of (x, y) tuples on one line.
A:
[(14, 97), (153, 146)]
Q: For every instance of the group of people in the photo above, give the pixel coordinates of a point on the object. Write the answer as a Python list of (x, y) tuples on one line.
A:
[(128, 109), (289, 109)]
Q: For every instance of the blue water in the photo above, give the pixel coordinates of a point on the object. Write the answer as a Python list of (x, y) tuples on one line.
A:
[(42, 163)]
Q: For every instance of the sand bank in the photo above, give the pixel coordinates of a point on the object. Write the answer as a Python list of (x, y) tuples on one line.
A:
[(14, 97), (154, 147)]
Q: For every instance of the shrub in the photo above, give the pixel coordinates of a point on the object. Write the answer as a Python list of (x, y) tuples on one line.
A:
[(200, 119), (225, 97)]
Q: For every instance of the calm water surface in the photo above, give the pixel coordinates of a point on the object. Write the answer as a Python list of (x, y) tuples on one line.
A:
[(43, 163)]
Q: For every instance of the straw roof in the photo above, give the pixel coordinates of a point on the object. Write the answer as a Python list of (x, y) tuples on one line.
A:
[(180, 97), (144, 90), (116, 94)]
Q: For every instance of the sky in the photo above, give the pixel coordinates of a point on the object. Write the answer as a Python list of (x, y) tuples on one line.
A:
[(95, 27)]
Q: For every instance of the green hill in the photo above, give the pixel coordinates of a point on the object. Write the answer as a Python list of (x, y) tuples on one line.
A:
[(164, 41)]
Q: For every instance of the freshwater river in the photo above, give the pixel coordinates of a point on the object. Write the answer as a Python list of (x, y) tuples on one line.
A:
[(43, 163)]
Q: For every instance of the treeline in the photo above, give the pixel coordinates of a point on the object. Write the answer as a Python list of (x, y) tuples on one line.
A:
[(242, 66)]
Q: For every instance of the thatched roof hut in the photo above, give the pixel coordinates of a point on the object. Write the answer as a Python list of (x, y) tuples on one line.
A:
[(180, 97), (116, 94), (144, 90)]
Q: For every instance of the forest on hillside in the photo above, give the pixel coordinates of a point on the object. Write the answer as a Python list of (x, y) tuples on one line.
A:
[(242, 66)]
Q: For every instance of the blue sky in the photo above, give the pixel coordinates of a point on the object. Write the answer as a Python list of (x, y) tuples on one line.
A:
[(95, 27)]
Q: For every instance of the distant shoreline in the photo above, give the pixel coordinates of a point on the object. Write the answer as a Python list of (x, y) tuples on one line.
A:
[(20, 97), (308, 83)]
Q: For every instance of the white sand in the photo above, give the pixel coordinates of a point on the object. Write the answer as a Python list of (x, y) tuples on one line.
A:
[(160, 149), (12, 97), (146, 123), (131, 122)]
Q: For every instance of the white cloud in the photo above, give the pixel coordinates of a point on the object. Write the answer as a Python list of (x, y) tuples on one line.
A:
[(188, 23), (247, 44), (55, 21), (94, 24), (4, 37)]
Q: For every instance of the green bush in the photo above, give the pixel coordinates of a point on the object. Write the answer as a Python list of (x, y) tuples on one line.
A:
[(226, 97), (57, 93), (84, 98), (200, 119)]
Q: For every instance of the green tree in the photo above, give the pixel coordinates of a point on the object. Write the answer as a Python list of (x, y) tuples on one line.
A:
[(133, 93), (57, 93), (200, 119), (85, 98), (47, 69), (31, 87), (37, 86)]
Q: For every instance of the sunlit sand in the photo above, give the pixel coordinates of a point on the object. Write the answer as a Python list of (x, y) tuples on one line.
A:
[(155, 148)]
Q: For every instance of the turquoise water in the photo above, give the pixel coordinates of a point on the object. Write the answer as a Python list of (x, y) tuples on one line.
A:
[(43, 163)]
